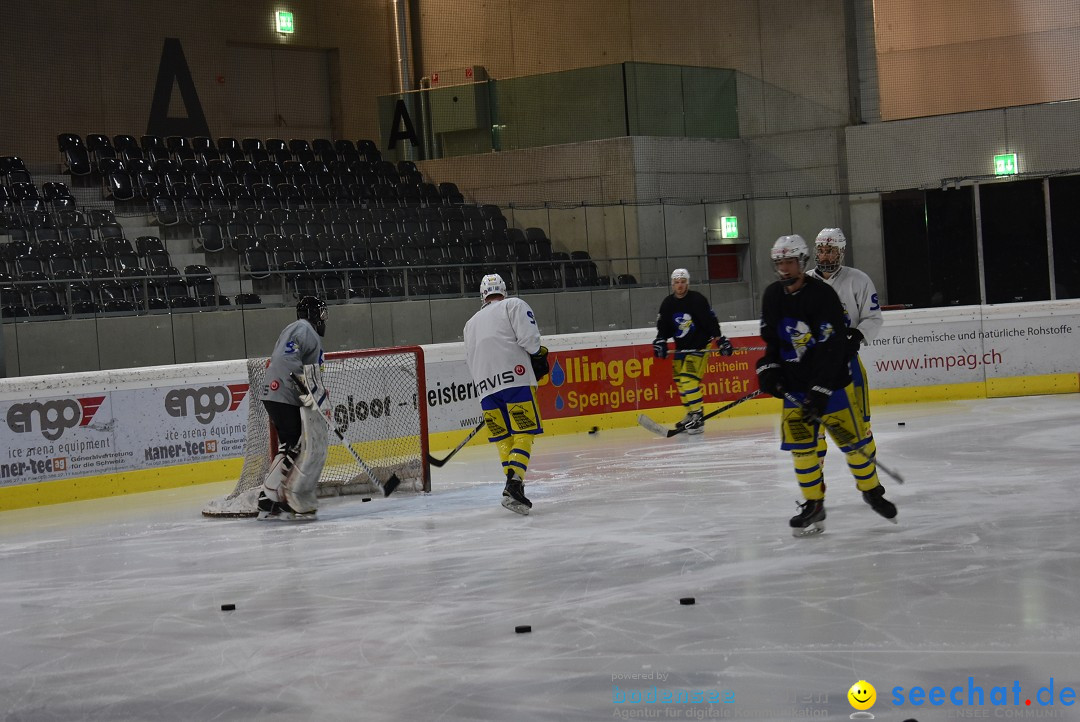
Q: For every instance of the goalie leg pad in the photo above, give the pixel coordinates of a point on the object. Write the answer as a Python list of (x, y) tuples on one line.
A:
[(283, 465), (300, 486)]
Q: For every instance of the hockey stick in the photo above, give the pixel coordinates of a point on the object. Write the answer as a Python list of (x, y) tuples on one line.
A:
[(389, 485), (439, 462), (664, 431), (843, 436), (736, 349)]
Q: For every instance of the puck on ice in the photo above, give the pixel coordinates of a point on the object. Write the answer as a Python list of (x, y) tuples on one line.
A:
[(899, 423), (366, 498), (523, 629), (594, 429), (686, 600), (228, 607)]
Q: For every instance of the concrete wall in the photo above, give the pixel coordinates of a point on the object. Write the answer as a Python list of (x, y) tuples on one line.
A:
[(949, 57), (48, 347)]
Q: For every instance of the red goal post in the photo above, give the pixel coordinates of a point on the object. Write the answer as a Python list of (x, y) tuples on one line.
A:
[(379, 402)]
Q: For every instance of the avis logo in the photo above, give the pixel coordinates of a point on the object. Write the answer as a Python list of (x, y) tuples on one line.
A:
[(53, 417), (204, 403)]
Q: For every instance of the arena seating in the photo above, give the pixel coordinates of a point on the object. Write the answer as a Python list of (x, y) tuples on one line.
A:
[(326, 217)]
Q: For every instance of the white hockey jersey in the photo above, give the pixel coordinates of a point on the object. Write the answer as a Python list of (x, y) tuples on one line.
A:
[(498, 341), (859, 297)]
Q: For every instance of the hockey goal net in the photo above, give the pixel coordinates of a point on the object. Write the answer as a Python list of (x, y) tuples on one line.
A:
[(379, 405)]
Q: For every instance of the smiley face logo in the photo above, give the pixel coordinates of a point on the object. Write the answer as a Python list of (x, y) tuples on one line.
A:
[(862, 695)]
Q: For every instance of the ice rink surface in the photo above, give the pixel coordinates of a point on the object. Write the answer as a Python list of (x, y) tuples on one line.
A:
[(405, 608)]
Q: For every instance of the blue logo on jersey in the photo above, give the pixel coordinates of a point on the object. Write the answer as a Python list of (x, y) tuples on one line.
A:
[(290, 347), (684, 324), (532, 319)]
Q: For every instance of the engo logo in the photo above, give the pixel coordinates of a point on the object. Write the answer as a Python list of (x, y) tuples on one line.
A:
[(53, 417), (205, 403)]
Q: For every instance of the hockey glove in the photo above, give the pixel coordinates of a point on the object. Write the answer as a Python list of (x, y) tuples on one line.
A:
[(659, 347), (312, 392), (854, 341), (816, 403), (540, 362), (770, 378), (724, 346)]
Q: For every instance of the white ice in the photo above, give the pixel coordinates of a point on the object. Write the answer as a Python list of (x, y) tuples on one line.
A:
[(405, 608)]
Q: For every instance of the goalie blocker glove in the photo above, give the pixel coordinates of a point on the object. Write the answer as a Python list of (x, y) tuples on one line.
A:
[(539, 362), (312, 392), (659, 347)]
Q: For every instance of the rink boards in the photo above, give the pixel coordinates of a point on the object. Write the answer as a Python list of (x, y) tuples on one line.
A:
[(77, 436)]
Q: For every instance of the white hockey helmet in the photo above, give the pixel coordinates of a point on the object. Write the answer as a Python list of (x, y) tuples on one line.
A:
[(826, 239), (680, 273), (790, 247), (492, 285)]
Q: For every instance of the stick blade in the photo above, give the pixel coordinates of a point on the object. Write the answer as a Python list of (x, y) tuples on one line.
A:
[(437, 463), (650, 425), (390, 485)]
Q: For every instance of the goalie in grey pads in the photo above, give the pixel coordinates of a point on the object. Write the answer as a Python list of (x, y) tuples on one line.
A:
[(288, 492)]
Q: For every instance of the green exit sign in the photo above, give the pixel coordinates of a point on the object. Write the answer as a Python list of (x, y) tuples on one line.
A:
[(729, 225), (1005, 164), (285, 22)]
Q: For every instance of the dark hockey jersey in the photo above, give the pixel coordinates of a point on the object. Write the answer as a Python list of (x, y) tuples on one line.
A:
[(804, 333), (689, 320)]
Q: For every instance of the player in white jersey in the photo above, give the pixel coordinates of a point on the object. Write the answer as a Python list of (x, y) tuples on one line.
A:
[(861, 309), (506, 360)]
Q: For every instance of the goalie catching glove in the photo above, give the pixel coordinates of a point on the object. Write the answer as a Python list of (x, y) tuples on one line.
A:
[(539, 362)]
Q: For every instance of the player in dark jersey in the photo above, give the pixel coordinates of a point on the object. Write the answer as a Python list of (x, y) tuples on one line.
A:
[(806, 364), (687, 317)]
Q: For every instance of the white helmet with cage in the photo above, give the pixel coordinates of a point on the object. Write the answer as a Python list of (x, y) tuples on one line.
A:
[(492, 285), (790, 247), (830, 238)]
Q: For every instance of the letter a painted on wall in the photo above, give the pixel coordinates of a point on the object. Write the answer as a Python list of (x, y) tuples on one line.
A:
[(401, 117), (174, 70)]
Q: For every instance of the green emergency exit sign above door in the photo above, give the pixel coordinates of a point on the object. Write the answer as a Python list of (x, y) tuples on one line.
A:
[(285, 22), (1005, 164)]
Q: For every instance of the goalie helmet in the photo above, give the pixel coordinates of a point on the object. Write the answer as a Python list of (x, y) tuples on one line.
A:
[(492, 285), (313, 310), (826, 241), (790, 247)]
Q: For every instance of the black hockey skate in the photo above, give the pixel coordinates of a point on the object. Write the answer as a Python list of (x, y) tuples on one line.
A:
[(514, 497), (876, 499), (811, 518), (270, 510), (694, 423)]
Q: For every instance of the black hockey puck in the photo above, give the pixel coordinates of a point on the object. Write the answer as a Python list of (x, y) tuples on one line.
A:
[(686, 601), (366, 498), (594, 429), (899, 423), (523, 629), (228, 607)]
